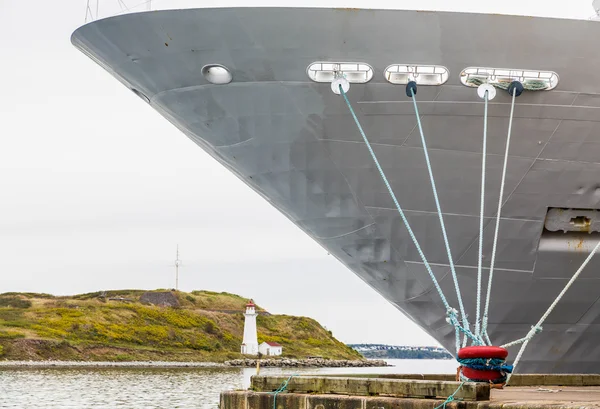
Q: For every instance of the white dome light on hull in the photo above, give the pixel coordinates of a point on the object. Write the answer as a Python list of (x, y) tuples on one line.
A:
[(502, 77), (402, 74), (217, 74), (354, 72)]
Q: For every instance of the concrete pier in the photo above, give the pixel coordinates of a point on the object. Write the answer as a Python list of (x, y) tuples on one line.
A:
[(399, 388), (402, 392)]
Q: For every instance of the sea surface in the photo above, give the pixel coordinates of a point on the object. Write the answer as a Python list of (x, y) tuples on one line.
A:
[(168, 388)]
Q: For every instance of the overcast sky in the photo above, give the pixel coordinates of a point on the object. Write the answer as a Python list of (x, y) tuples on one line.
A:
[(97, 189)]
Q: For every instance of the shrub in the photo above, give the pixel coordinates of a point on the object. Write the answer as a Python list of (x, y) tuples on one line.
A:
[(315, 342), (228, 337), (44, 331), (201, 344), (210, 327), (304, 325), (14, 302), (28, 295), (11, 314), (65, 312), (10, 335)]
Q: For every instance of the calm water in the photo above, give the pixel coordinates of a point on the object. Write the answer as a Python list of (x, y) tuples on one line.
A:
[(137, 388)]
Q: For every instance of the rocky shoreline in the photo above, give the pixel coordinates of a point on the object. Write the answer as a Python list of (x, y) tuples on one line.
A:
[(310, 362), (270, 362)]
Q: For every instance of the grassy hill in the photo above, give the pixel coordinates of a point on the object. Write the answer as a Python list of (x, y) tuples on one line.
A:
[(116, 326)]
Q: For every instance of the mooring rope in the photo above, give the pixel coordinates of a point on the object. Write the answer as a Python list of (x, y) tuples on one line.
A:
[(452, 318), (486, 364), (450, 312), (282, 388), (450, 398), (533, 331), (515, 88), (439, 212), (494, 246), (481, 209), (537, 328), (396, 203)]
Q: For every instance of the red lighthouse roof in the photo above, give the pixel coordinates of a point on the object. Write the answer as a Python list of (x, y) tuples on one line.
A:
[(250, 304)]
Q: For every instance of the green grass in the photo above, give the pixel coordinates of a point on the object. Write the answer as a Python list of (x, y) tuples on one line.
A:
[(208, 326)]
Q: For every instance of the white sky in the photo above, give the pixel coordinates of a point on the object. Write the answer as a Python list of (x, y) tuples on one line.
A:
[(96, 189)]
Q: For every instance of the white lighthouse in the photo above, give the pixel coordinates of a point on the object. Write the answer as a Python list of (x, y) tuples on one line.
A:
[(250, 342)]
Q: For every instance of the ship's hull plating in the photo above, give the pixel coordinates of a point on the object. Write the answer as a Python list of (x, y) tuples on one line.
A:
[(294, 142)]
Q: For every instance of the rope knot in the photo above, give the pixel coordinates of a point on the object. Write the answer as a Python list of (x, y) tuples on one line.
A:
[(535, 329), (452, 312), (451, 316)]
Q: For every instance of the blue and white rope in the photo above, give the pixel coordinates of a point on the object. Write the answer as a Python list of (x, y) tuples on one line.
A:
[(494, 246), (479, 262), (537, 328), (450, 312), (396, 203), (465, 321), (450, 398)]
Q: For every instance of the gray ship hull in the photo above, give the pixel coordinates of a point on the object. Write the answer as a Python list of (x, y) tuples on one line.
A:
[(293, 141)]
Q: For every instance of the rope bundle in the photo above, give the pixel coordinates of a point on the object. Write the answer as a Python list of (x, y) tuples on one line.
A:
[(483, 364)]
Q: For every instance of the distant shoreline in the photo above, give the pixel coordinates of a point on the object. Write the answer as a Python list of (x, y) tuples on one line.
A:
[(383, 351)]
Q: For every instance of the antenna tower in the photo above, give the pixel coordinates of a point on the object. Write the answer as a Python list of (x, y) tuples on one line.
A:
[(177, 264)]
